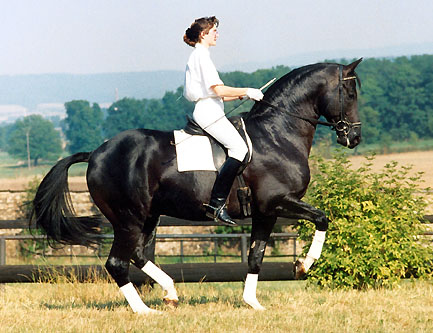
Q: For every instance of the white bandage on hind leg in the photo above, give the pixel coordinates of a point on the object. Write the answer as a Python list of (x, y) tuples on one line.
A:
[(250, 289), (315, 249), (317, 244), (134, 299), (160, 277)]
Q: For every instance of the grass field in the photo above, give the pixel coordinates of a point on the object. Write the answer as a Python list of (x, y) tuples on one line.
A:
[(216, 307), (13, 168)]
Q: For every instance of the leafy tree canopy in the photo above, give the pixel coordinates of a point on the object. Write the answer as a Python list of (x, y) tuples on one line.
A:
[(43, 140), (83, 126)]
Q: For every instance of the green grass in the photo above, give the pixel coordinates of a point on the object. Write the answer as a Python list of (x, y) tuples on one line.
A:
[(216, 307)]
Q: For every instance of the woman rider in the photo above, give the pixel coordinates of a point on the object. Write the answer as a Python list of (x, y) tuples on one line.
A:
[(204, 87)]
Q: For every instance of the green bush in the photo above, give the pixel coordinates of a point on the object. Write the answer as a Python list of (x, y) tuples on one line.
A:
[(375, 235)]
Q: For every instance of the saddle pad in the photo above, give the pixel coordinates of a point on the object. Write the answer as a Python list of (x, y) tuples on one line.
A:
[(194, 152)]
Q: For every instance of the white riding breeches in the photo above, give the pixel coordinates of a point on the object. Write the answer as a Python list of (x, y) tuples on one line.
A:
[(209, 114)]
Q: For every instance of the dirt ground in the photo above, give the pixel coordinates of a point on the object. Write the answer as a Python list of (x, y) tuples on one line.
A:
[(420, 161)]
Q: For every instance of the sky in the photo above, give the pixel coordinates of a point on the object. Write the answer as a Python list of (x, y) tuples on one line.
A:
[(105, 36)]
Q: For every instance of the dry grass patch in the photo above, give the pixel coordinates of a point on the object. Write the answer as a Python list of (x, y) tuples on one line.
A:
[(216, 307)]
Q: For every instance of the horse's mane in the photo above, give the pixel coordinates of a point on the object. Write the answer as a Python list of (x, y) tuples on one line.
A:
[(295, 84)]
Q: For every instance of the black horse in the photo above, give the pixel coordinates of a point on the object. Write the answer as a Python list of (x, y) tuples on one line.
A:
[(133, 177)]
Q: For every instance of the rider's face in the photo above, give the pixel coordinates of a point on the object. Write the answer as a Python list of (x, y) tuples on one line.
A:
[(210, 38)]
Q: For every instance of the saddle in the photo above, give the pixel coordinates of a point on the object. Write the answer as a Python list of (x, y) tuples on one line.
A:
[(219, 153)]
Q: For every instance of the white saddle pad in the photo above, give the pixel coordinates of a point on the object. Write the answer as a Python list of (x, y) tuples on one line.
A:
[(194, 152)]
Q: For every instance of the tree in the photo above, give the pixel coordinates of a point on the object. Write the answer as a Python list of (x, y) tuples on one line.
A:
[(127, 113), (36, 138), (4, 134), (166, 114), (83, 126)]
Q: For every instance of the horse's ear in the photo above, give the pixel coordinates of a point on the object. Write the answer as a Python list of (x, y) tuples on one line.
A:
[(351, 67)]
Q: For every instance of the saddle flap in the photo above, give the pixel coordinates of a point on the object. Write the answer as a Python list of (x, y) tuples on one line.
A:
[(219, 152), (192, 127)]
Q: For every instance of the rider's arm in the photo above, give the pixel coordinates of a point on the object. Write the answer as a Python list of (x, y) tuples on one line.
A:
[(228, 93)]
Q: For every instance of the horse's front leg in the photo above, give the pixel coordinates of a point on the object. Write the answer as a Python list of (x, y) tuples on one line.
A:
[(298, 209), (261, 230)]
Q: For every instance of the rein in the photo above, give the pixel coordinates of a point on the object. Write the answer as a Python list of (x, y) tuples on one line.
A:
[(311, 120), (340, 126)]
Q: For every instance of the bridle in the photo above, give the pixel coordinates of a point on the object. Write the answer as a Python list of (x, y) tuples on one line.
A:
[(342, 126)]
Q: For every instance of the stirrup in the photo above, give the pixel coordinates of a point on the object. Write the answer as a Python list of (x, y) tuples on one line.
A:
[(219, 214)]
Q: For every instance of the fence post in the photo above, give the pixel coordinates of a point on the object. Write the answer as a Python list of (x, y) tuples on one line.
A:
[(2, 251), (215, 250), (244, 256), (294, 249)]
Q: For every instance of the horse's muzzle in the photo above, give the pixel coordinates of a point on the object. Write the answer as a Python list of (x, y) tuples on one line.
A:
[(351, 139)]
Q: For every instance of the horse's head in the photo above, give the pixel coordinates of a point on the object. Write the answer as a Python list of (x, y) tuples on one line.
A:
[(341, 104)]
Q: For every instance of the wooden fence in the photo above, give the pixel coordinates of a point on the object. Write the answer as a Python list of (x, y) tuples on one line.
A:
[(183, 272)]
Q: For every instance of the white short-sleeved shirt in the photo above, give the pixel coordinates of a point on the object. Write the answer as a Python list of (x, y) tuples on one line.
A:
[(200, 75)]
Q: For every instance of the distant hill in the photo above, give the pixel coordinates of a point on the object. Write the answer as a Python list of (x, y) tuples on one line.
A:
[(31, 90), (301, 59)]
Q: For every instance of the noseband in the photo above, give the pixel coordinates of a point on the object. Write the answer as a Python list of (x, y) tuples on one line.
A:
[(341, 127)]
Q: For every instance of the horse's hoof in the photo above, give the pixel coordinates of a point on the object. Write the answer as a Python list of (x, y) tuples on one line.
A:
[(300, 273), (148, 312), (254, 303), (174, 303)]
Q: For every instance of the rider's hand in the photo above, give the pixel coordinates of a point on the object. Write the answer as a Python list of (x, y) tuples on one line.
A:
[(254, 94)]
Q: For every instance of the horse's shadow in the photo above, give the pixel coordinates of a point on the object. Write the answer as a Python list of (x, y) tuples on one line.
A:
[(153, 303), (201, 300), (109, 305)]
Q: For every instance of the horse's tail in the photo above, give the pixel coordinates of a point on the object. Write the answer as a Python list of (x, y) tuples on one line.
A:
[(53, 211)]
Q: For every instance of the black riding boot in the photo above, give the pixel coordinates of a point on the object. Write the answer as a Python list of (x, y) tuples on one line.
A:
[(216, 209)]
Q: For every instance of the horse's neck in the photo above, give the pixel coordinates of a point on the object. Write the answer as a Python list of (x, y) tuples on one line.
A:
[(281, 125)]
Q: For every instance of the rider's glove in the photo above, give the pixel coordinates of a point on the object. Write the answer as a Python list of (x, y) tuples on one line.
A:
[(254, 94)]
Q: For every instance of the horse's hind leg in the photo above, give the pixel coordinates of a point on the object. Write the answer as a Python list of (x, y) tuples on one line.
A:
[(261, 231), (301, 210), (140, 260), (124, 244)]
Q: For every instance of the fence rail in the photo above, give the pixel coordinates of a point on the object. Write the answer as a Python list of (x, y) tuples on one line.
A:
[(169, 237), (203, 272), (165, 221), (183, 272)]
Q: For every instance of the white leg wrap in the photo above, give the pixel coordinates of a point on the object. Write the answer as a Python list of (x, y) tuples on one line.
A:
[(134, 299), (315, 249), (317, 245), (249, 295), (160, 277)]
